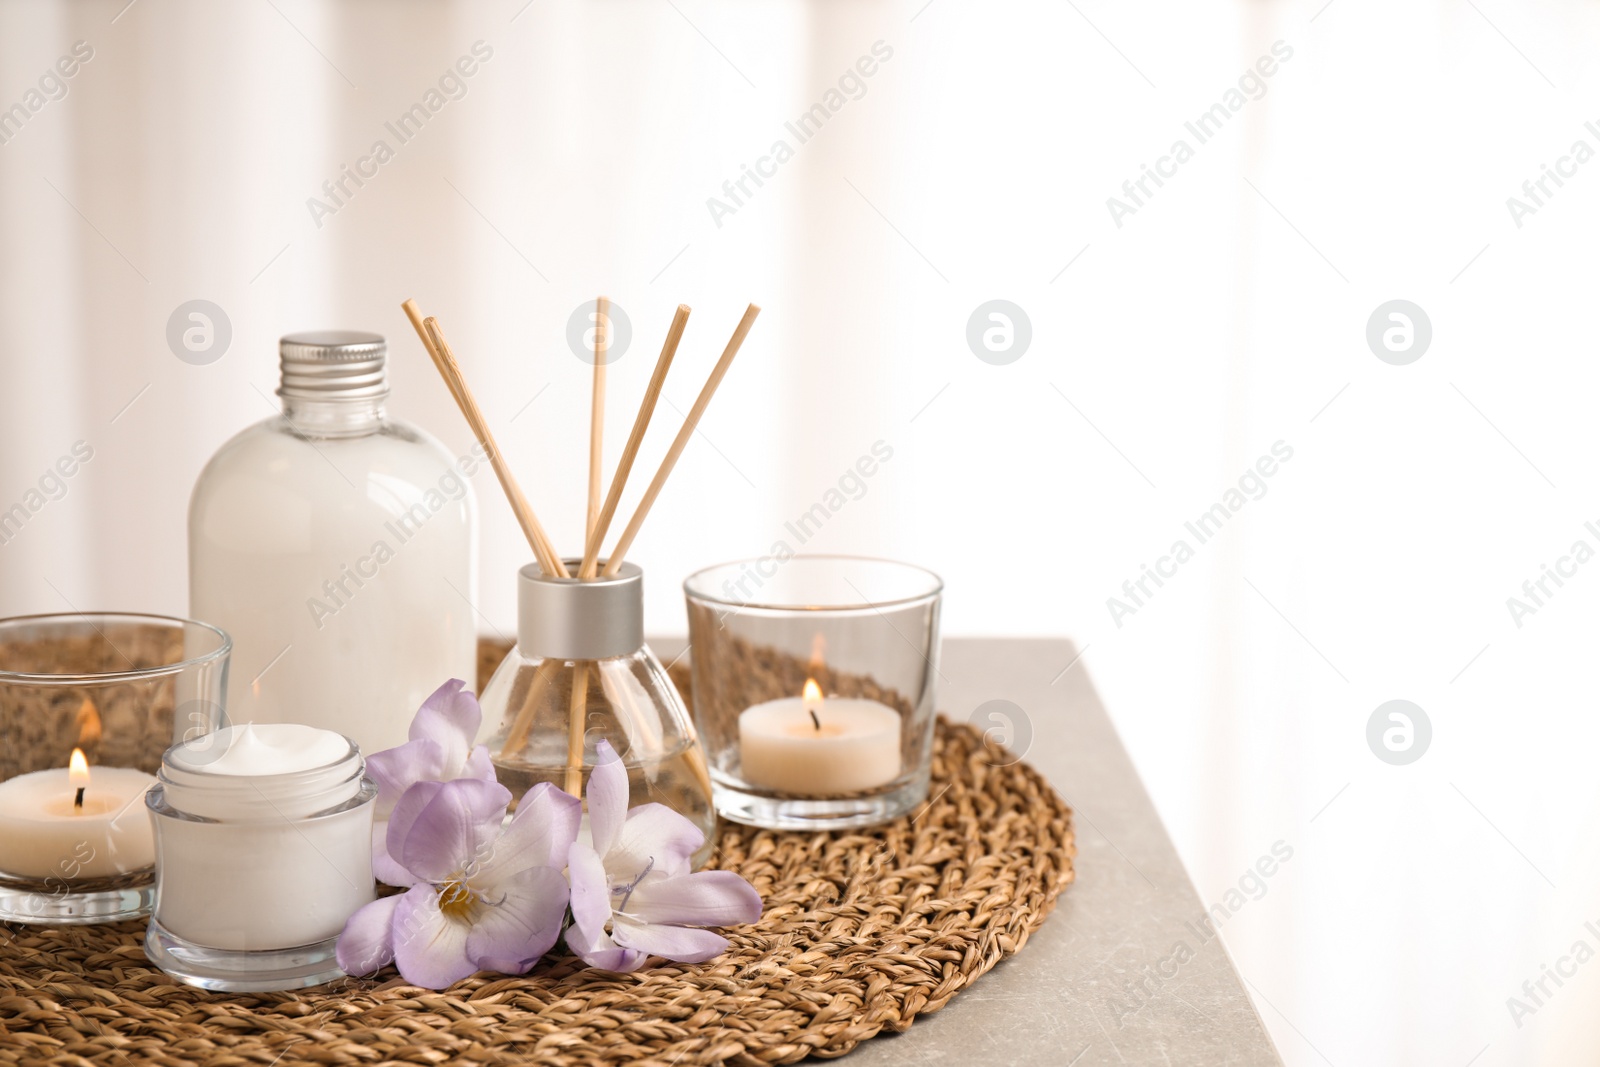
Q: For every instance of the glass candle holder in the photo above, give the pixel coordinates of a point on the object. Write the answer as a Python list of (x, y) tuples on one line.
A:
[(581, 674), (814, 687), (88, 703), (263, 839)]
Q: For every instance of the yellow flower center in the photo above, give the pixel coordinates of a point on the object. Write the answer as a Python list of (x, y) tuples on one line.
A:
[(456, 900)]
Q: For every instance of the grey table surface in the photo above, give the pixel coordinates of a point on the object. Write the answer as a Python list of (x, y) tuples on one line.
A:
[(1102, 981)]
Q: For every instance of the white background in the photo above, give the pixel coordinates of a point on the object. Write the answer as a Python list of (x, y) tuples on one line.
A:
[(1169, 353)]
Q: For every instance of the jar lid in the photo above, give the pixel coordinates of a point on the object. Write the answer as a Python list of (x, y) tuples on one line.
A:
[(332, 364), (573, 618)]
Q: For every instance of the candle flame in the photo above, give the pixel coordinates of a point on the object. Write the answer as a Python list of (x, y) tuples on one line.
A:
[(811, 700), (78, 770), (89, 727)]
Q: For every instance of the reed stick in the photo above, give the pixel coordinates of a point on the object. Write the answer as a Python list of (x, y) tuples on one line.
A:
[(597, 417), (647, 407), (414, 313), (549, 559), (575, 724), (682, 440), (517, 736), (695, 756), (444, 359)]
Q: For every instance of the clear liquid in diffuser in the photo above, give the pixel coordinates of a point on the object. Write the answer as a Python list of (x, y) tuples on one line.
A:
[(669, 780)]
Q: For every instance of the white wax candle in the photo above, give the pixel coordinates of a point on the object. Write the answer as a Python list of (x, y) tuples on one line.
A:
[(43, 834), (277, 850), (852, 745)]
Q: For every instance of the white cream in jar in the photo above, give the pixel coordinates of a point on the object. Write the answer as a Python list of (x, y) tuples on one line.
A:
[(263, 839)]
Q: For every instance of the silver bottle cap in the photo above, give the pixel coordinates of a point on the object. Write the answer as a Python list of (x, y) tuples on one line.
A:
[(565, 618), (332, 364)]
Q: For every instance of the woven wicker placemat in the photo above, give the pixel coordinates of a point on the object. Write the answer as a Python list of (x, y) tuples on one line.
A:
[(863, 931)]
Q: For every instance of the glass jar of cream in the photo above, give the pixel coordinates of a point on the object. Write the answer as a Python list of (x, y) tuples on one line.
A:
[(263, 837)]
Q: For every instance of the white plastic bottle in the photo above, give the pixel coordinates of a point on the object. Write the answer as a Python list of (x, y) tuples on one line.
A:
[(338, 548)]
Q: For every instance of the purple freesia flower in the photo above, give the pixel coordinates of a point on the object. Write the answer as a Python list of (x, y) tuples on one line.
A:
[(483, 897), (633, 895), (439, 750)]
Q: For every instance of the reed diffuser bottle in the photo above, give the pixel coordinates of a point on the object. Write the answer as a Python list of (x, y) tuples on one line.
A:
[(581, 674), (337, 547)]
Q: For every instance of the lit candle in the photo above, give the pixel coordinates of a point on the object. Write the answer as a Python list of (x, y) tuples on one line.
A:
[(811, 746), (66, 823)]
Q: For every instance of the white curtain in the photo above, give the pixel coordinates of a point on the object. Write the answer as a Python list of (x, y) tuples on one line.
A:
[(1227, 312)]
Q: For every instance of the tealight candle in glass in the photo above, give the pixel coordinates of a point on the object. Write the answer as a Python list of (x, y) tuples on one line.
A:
[(264, 848), (814, 687), (88, 702)]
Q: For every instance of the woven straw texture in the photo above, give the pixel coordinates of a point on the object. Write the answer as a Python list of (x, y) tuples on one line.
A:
[(863, 931)]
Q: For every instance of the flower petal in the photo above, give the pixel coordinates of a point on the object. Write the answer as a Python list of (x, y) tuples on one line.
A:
[(538, 835), (438, 828), (367, 942), (518, 920), (603, 953), (478, 765), (385, 868), (397, 769), (653, 836), (591, 893), (710, 898), (686, 944), (430, 948), (608, 797), (450, 718), (591, 910)]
